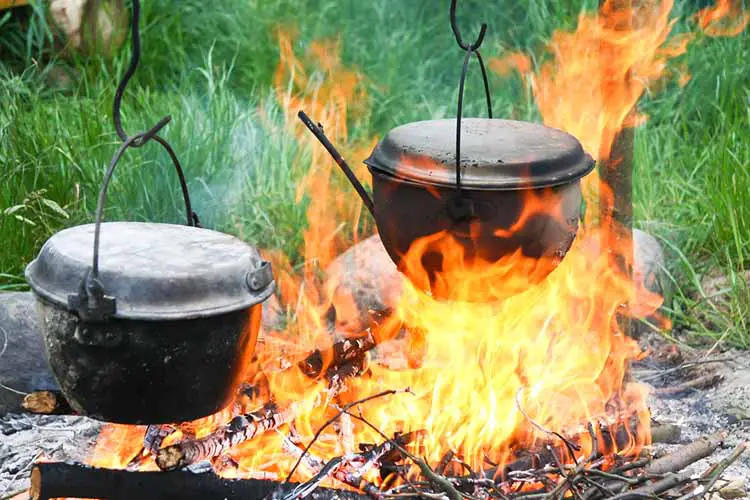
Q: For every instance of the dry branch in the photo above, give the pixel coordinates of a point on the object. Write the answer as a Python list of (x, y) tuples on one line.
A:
[(687, 454), (703, 382)]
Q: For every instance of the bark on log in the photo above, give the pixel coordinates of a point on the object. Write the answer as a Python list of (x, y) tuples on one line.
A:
[(66, 480), (240, 429), (688, 454)]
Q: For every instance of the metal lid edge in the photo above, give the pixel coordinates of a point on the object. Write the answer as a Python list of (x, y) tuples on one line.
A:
[(62, 302)]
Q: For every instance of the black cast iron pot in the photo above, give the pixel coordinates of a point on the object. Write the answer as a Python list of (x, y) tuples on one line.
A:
[(149, 323), (516, 188)]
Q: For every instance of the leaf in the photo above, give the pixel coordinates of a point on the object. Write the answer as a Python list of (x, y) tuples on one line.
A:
[(13, 209), (25, 220), (55, 207)]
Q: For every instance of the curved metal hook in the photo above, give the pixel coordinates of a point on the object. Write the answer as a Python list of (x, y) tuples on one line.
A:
[(454, 26), (134, 59)]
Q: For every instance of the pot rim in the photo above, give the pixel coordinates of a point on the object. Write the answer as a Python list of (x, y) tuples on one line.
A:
[(376, 171), (496, 154), (151, 271)]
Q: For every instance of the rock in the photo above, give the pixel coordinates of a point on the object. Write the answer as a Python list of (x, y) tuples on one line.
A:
[(650, 278), (362, 278), (91, 26), (733, 396), (734, 489), (23, 363)]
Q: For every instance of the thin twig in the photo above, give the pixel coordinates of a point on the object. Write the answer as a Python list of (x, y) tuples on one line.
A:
[(335, 417)]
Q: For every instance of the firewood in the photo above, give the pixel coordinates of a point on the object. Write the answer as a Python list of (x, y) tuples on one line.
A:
[(687, 454), (340, 353), (241, 428), (704, 382), (70, 480), (47, 403)]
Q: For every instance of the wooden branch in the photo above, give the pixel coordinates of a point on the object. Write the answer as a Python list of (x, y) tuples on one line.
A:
[(240, 429), (687, 454), (343, 360), (47, 403), (70, 480), (704, 382)]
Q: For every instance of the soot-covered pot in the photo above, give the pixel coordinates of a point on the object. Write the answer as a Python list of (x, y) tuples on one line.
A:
[(147, 322), (518, 191)]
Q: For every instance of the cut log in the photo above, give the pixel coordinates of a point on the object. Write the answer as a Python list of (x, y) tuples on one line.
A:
[(67, 480), (47, 403)]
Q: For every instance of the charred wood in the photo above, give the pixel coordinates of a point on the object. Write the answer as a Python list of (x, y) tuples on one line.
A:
[(69, 480)]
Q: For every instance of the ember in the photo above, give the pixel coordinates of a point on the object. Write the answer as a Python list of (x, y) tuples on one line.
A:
[(521, 393)]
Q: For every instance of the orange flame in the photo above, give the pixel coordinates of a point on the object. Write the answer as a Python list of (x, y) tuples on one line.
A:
[(726, 18), (597, 73), (541, 351)]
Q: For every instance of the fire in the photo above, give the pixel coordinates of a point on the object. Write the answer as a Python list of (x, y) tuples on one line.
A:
[(488, 377), (726, 18)]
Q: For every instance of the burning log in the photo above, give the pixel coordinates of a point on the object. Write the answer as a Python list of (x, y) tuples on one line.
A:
[(346, 358), (70, 480), (241, 428)]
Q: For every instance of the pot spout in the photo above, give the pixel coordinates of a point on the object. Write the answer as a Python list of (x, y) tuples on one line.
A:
[(320, 135)]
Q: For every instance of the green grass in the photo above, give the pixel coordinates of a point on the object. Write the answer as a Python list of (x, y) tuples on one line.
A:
[(211, 67)]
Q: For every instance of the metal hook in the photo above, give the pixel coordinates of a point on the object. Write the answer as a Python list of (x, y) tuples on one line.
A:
[(134, 59), (454, 26)]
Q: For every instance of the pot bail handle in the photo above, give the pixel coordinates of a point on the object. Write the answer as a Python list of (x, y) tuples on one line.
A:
[(459, 207), (91, 302)]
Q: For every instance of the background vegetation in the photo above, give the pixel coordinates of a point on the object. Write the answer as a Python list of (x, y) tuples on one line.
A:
[(211, 65)]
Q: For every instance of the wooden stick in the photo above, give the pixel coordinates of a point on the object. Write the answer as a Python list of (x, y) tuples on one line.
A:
[(687, 454), (665, 433), (70, 480), (47, 403), (703, 382)]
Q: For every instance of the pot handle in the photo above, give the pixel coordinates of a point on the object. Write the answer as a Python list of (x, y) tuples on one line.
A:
[(91, 303), (317, 131), (460, 208)]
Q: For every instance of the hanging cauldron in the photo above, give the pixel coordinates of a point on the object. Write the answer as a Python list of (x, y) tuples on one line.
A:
[(473, 179), (148, 323)]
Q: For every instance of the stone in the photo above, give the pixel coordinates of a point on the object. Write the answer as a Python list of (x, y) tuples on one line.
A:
[(732, 397), (363, 278), (91, 26), (23, 362)]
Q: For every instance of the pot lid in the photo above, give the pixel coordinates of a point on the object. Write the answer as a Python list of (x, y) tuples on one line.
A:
[(152, 271), (495, 154)]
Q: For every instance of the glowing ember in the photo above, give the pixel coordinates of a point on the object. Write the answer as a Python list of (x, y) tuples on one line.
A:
[(487, 377)]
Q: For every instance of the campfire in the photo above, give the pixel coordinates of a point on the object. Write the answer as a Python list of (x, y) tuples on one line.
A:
[(451, 388)]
